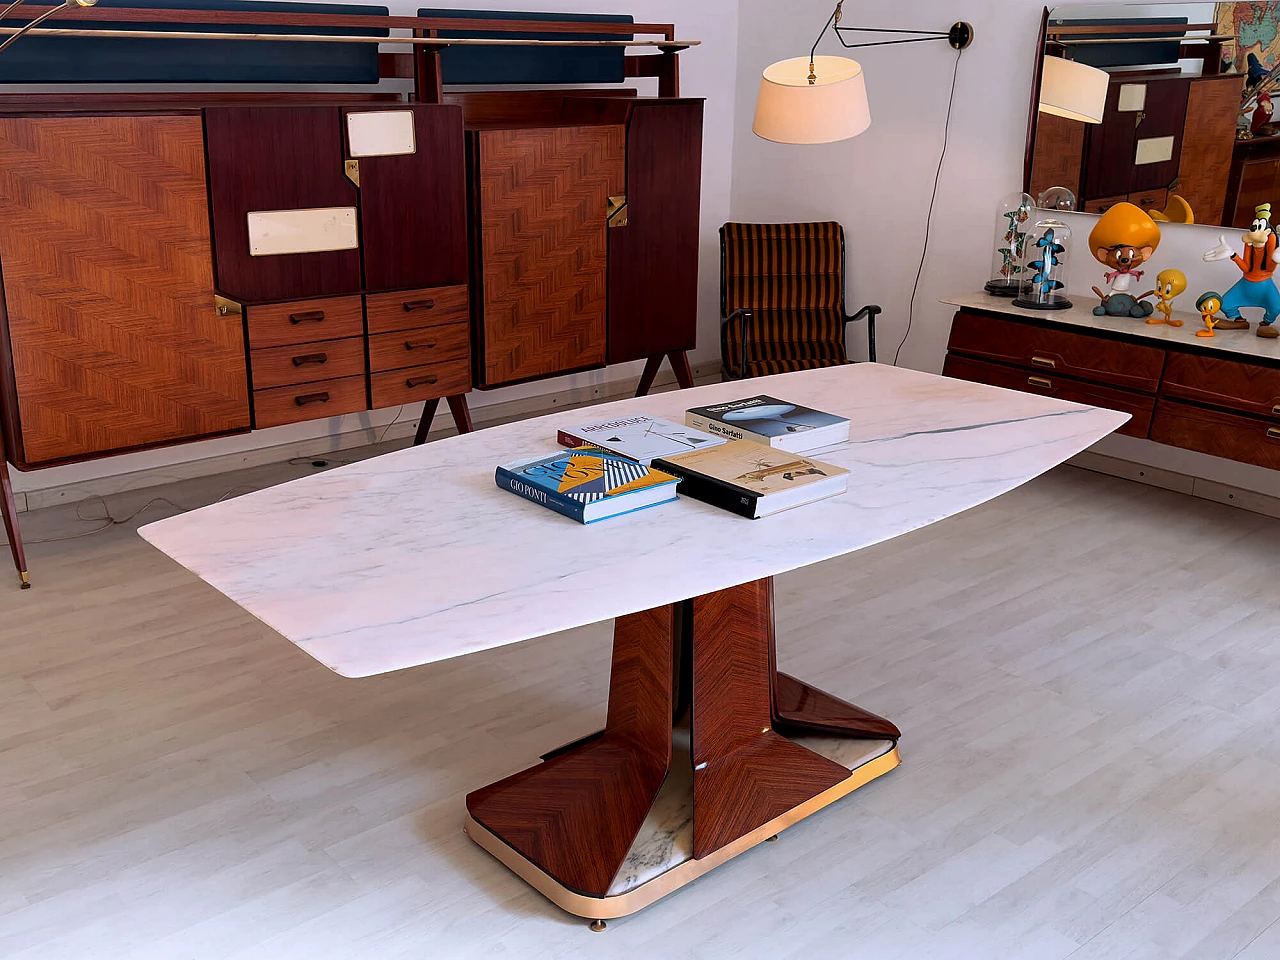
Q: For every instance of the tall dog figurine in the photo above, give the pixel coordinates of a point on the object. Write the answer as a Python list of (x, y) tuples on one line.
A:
[(1123, 239), (1256, 288)]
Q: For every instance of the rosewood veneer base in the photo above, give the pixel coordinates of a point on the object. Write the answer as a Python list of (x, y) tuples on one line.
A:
[(698, 715)]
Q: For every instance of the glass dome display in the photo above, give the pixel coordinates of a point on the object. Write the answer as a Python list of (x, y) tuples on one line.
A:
[(1012, 217), (1056, 198), (1042, 281)]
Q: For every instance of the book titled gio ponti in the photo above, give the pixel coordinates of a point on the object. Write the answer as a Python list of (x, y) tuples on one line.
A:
[(638, 438), (752, 480), (587, 484), (782, 425)]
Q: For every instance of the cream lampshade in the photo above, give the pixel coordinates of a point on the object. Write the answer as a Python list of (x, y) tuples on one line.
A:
[(792, 109), (1073, 90)]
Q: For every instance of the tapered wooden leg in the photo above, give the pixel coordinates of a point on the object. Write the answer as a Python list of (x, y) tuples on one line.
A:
[(680, 364), (567, 826), (424, 422), (744, 772), (461, 415), (650, 371), (10, 510), (576, 815)]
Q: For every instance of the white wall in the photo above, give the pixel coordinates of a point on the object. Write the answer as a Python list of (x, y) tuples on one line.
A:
[(708, 70), (878, 184)]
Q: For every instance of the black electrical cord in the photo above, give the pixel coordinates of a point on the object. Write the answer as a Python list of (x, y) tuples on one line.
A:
[(928, 222)]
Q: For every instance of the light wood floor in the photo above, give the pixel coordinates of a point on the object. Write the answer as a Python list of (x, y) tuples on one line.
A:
[(1087, 674)]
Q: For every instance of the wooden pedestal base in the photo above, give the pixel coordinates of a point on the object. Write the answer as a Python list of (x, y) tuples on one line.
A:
[(457, 406), (697, 709), (679, 366), (10, 511)]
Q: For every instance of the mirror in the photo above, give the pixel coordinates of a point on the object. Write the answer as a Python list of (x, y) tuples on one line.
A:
[(1186, 131)]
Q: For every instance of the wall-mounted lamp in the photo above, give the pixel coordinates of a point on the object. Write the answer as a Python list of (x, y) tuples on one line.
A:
[(1073, 90), (823, 99), (4, 14)]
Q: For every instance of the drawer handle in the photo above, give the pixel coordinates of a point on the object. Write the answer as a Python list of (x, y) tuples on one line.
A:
[(311, 398), (1273, 433), (311, 316), (420, 381), (1044, 362), (418, 344), (411, 305), (1276, 410), (310, 358), (1043, 382)]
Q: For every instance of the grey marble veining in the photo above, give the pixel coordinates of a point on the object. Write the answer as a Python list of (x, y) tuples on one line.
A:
[(417, 556)]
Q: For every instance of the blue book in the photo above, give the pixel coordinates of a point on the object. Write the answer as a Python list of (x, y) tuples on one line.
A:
[(587, 484)]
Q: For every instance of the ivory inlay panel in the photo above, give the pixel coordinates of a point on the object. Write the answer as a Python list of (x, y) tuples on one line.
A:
[(381, 133), (274, 232)]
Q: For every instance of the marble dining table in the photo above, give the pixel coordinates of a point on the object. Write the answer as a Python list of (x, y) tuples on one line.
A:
[(417, 556)]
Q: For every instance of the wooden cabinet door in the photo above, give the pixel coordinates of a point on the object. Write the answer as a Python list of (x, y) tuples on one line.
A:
[(542, 196), (267, 159), (413, 217), (108, 288), (1208, 141), (653, 260)]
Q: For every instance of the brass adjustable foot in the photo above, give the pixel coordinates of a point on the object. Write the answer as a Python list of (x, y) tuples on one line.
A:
[(597, 926), (26, 580)]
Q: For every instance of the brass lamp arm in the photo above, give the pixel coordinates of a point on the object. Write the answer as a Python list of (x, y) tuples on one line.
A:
[(40, 19)]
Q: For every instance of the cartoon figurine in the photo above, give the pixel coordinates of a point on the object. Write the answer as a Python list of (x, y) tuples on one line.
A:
[(1208, 304), (1123, 239), (1169, 285), (1256, 288)]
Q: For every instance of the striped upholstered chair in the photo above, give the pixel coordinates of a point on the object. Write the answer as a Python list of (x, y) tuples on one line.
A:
[(782, 298)]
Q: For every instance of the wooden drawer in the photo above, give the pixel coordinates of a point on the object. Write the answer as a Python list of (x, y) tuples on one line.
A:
[(304, 321), (307, 362), (1087, 357), (413, 348), (1102, 205), (1149, 200), (1223, 383), (428, 382), (1139, 406), (409, 309), (310, 401), (1219, 434)]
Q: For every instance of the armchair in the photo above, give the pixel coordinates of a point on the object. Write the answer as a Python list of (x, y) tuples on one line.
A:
[(782, 298)]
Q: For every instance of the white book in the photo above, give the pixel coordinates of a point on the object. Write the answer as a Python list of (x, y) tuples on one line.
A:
[(638, 438), (773, 422)]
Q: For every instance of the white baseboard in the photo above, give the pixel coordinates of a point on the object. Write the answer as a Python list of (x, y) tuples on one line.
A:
[(327, 446), (1179, 482)]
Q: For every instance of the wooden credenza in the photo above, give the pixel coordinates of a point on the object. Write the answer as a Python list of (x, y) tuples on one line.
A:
[(1185, 394)]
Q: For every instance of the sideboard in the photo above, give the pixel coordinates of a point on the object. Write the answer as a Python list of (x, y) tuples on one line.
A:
[(178, 265), (1219, 395)]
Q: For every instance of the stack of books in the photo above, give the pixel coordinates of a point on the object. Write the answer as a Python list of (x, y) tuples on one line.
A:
[(744, 457)]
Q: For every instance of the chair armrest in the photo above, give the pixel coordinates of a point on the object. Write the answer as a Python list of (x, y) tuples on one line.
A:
[(870, 311), (743, 315)]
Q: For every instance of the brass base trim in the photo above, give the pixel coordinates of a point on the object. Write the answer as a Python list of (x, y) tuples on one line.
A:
[(623, 904), (26, 580)]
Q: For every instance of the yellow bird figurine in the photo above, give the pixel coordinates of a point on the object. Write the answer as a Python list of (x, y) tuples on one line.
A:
[(1208, 305), (1169, 284)]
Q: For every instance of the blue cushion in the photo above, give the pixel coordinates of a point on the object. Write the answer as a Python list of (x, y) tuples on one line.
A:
[(135, 60), (531, 64)]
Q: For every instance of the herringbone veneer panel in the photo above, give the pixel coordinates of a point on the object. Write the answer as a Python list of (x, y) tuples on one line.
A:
[(543, 199), (108, 283)]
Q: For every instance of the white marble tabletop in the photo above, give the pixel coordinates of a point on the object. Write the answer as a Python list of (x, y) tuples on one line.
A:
[(417, 556), (1080, 314)]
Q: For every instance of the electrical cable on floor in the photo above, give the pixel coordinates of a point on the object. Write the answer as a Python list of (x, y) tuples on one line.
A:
[(928, 223), (107, 521)]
